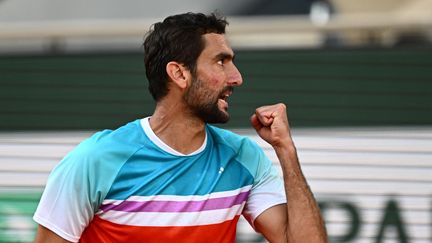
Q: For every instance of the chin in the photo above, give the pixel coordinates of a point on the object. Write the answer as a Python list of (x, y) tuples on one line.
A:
[(213, 114), (219, 119)]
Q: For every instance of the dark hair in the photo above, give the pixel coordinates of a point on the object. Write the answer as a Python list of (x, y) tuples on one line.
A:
[(178, 38)]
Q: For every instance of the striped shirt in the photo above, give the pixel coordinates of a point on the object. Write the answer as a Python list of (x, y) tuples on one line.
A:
[(127, 185)]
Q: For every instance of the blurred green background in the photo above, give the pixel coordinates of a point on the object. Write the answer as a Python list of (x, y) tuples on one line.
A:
[(322, 87)]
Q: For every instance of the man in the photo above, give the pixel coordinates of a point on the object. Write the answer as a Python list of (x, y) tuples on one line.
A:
[(172, 177)]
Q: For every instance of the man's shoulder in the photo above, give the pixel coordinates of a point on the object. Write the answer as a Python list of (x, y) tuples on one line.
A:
[(221, 135), (232, 139), (128, 134), (106, 145)]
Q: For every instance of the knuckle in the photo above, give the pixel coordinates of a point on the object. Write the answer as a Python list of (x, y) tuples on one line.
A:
[(282, 106)]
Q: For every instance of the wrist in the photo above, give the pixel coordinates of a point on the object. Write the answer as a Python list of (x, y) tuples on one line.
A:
[(286, 145), (286, 152)]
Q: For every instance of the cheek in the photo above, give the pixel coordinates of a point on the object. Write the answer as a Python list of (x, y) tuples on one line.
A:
[(214, 81), (214, 78), (218, 78)]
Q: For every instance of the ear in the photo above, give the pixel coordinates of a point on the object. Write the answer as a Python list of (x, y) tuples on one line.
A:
[(178, 73)]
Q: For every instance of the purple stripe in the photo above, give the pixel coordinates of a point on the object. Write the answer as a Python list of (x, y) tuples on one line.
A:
[(177, 206)]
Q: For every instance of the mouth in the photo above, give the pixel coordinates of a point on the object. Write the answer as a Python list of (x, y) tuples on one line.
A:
[(225, 94), (225, 97)]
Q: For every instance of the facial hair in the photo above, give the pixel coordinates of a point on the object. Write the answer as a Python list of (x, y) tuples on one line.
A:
[(203, 102)]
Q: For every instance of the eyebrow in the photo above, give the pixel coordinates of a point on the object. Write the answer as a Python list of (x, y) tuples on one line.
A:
[(225, 55)]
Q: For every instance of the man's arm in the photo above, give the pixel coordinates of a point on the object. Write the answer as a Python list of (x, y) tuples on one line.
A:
[(45, 235), (299, 221)]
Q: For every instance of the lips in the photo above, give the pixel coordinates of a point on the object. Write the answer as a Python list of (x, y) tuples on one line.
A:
[(223, 97), (225, 94)]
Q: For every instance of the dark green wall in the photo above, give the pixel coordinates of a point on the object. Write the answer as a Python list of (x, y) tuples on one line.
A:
[(321, 88)]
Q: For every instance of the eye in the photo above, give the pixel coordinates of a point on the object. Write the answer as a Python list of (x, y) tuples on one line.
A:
[(221, 62)]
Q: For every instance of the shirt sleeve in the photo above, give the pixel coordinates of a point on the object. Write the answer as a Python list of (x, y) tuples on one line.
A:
[(267, 190), (71, 196)]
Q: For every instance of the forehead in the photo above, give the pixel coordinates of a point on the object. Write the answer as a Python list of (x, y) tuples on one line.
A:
[(216, 44)]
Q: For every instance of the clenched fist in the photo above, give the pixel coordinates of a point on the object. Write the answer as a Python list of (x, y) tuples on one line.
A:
[(271, 124)]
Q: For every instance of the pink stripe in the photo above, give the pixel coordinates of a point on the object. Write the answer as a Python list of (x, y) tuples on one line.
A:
[(178, 206)]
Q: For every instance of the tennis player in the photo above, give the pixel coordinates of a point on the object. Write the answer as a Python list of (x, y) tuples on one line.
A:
[(174, 177)]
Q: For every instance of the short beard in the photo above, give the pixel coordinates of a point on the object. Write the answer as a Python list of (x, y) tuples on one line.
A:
[(209, 111)]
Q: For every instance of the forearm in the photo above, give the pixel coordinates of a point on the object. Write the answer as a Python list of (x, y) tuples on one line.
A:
[(304, 223)]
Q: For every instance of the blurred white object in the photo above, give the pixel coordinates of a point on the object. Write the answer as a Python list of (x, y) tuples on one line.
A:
[(319, 13)]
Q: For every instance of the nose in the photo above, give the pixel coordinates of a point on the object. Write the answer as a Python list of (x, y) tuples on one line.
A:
[(235, 77)]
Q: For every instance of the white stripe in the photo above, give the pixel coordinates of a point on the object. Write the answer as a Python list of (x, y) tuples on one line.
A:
[(173, 219), (180, 198)]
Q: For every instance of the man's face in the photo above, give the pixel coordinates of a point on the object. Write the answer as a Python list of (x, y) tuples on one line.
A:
[(215, 78)]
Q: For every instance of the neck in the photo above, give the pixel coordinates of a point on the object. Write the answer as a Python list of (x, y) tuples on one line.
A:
[(178, 129)]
